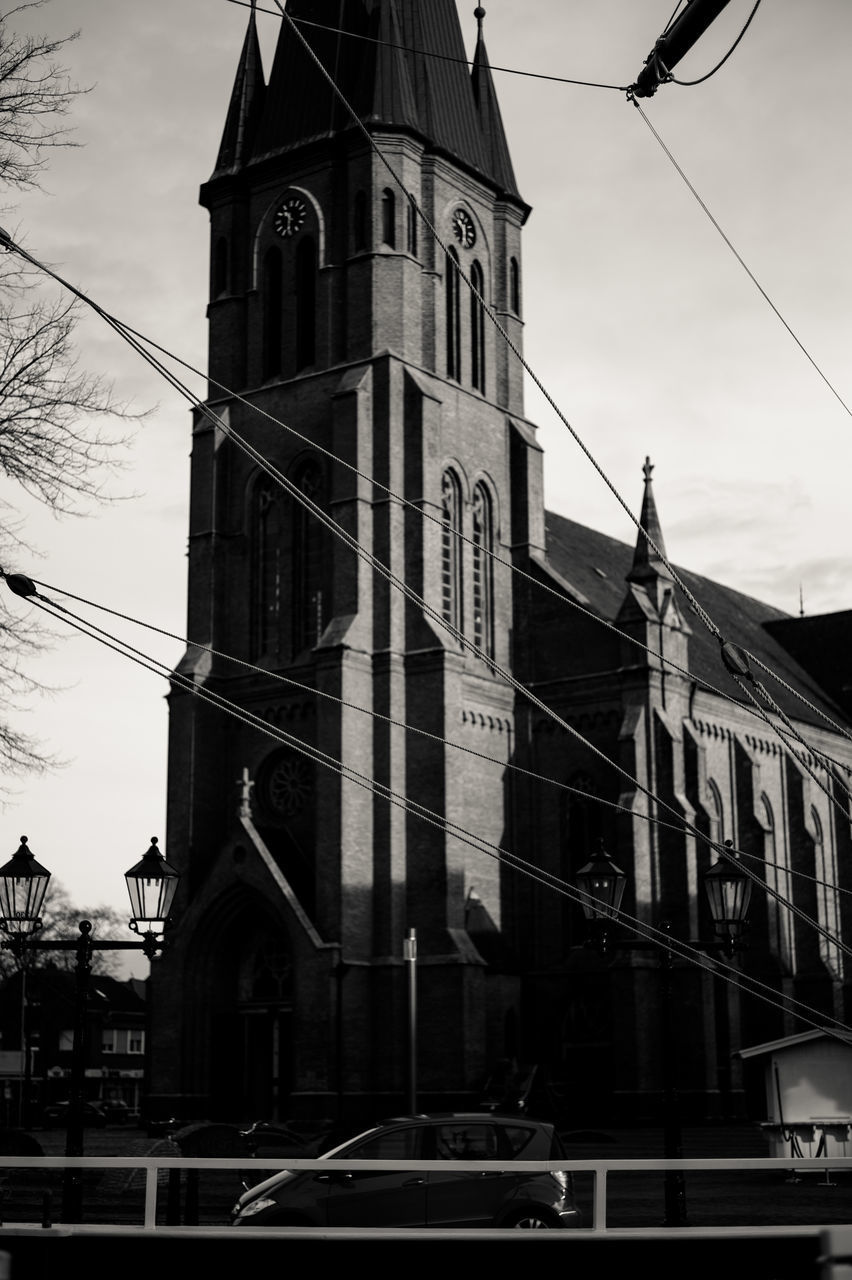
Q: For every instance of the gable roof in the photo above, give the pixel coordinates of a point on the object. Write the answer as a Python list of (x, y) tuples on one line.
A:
[(597, 566)]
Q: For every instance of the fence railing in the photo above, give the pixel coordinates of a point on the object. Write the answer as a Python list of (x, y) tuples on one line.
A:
[(258, 1169)]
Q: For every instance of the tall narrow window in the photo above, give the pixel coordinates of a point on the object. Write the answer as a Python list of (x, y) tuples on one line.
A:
[(266, 543), (389, 219), (453, 316), (778, 878), (360, 222), (272, 300), (220, 267), (412, 227), (477, 328), (483, 572), (307, 560), (306, 302), (829, 915), (515, 286), (451, 551)]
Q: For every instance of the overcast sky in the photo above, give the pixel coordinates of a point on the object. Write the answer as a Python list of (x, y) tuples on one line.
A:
[(640, 323)]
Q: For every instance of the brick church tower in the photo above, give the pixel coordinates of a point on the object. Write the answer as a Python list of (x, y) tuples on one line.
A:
[(348, 353)]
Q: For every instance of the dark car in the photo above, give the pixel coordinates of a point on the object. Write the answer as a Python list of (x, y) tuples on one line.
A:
[(55, 1116), (410, 1198), (116, 1110)]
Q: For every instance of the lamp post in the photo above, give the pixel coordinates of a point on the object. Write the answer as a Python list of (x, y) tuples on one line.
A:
[(602, 885), (151, 884)]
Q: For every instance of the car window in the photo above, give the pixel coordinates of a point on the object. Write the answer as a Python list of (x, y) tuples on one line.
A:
[(397, 1144), (466, 1142), (518, 1136)]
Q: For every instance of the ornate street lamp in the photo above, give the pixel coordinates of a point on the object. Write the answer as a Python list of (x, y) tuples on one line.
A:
[(729, 894), (151, 884), (601, 885), (23, 884)]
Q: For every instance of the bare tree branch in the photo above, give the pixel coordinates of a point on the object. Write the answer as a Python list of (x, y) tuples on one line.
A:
[(60, 438)]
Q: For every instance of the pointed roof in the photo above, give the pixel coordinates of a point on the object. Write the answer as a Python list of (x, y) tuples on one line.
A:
[(400, 64), (246, 105), (491, 122), (596, 565), (647, 563)]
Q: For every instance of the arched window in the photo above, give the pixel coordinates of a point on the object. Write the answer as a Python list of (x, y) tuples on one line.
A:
[(477, 328), (451, 551), (220, 267), (483, 572), (453, 316), (715, 811), (307, 560), (412, 227), (829, 914), (514, 286), (778, 878), (389, 218), (272, 300), (360, 222), (266, 544), (306, 302)]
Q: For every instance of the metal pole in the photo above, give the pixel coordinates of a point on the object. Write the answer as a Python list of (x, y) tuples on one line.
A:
[(675, 1187), (72, 1188), (410, 954)]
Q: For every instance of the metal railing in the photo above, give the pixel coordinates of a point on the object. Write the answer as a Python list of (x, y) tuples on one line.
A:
[(600, 1170)]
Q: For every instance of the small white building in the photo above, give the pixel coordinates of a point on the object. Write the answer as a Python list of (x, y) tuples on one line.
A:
[(808, 1082)]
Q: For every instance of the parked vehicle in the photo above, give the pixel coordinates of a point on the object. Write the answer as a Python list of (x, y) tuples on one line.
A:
[(115, 1110), (410, 1198), (55, 1116)]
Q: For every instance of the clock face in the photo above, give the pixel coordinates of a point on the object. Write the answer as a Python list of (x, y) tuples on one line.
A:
[(290, 218), (463, 228)]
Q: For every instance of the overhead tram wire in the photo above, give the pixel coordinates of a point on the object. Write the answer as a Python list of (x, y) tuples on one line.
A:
[(703, 205), (382, 569), (685, 950), (687, 826), (758, 709), (514, 569), (738, 669), (756, 706), (374, 562), (429, 53), (123, 328), (278, 677)]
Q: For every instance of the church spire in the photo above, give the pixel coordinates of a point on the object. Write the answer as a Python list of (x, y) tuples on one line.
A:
[(647, 563), (400, 64), (491, 122), (392, 91), (246, 104)]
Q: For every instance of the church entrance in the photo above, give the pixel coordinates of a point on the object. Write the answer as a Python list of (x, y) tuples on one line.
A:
[(266, 1039), (265, 1016)]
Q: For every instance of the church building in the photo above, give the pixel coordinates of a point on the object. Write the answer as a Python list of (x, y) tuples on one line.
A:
[(391, 736)]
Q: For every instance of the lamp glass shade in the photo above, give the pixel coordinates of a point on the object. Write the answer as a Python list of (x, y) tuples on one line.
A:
[(602, 885), (729, 894), (151, 885), (23, 884)]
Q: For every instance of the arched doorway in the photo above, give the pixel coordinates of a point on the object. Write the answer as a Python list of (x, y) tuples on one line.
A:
[(265, 1016)]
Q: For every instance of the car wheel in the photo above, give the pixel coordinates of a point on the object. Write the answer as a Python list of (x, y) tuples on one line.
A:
[(531, 1220)]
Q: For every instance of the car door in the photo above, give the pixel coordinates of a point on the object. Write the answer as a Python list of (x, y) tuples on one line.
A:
[(381, 1197), (459, 1198)]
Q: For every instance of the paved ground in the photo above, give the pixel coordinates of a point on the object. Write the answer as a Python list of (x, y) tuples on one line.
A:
[(766, 1198)]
